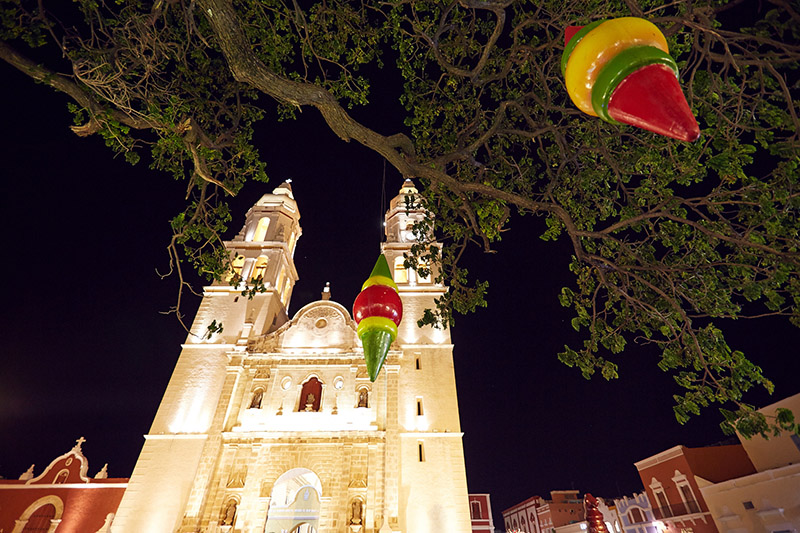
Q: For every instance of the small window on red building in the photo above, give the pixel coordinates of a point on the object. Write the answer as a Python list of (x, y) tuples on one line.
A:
[(475, 509)]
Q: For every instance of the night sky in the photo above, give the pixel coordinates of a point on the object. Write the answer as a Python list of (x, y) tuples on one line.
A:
[(87, 351)]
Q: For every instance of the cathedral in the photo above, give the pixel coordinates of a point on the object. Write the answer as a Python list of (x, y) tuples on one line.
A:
[(272, 425)]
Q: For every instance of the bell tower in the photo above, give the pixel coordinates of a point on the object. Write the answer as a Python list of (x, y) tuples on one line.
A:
[(191, 416), (273, 425), (429, 431)]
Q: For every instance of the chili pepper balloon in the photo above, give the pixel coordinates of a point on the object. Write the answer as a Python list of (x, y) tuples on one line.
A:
[(377, 311), (594, 517), (620, 70)]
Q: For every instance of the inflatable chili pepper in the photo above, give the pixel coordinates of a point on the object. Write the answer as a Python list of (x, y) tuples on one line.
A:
[(377, 311), (620, 70)]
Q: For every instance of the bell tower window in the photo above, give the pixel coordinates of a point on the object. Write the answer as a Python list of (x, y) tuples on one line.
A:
[(424, 267), (261, 229), (400, 271), (260, 268), (236, 266)]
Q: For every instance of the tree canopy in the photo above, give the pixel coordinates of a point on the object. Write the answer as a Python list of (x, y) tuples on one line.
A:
[(668, 238)]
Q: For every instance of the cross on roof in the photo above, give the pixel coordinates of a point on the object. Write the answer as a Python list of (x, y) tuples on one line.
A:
[(80, 442)]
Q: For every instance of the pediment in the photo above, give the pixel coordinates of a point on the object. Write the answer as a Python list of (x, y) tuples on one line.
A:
[(323, 324), (71, 467)]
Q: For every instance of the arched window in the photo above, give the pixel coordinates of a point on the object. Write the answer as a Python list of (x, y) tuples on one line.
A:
[(310, 395), (61, 477), (39, 515), (261, 230), (236, 265), (41, 519), (260, 268), (635, 516), (400, 271)]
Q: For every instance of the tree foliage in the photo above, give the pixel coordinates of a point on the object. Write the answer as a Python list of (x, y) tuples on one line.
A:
[(668, 238)]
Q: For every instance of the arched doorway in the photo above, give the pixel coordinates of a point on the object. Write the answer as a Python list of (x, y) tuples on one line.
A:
[(295, 502)]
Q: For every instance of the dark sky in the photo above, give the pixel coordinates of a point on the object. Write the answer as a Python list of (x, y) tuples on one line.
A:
[(87, 352)]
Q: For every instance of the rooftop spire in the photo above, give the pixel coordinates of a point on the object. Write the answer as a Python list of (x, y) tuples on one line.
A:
[(408, 187)]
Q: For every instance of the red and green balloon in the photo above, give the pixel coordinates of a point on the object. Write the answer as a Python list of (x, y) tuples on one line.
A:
[(620, 70), (377, 311)]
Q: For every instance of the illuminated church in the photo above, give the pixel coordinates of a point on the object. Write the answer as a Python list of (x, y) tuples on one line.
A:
[(272, 424)]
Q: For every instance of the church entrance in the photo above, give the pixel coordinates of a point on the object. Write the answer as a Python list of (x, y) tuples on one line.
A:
[(295, 503)]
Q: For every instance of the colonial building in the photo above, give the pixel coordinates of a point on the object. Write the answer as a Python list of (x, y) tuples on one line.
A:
[(671, 479), (635, 514), (537, 515), (62, 497), (272, 425), (768, 500)]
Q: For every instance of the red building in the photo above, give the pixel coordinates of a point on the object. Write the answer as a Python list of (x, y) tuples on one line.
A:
[(480, 511), (536, 515), (669, 478), (62, 497), (522, 516)]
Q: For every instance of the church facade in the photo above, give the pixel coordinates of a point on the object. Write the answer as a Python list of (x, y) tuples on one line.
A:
[(272, 424)]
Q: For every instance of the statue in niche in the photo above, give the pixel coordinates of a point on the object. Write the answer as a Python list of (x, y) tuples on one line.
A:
[(229, 514), (256, 401), (357, 508), (363, 398), (310, 399)]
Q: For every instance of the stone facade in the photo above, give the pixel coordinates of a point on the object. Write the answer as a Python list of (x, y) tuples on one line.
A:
[(272, 425)]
